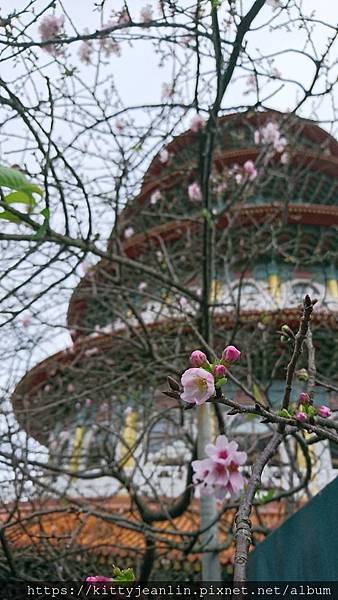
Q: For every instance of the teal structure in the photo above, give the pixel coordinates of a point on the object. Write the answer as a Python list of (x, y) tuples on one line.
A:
[(305, 547)]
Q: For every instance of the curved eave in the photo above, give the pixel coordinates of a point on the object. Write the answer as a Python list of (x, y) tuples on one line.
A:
[(24, 398), (297, 214), (309, 130), (25, 394), (319, 163)]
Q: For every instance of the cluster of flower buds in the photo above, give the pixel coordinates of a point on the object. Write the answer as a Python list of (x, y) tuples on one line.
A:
[(201, 380), (243, 173), (270, 135), (304, 410)]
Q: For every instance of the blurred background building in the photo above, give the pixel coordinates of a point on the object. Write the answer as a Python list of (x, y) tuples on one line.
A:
[(98, 406)]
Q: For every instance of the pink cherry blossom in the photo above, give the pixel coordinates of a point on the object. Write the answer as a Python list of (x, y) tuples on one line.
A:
[(251, 82), (164, 156), (280, 145), (218, 474), (220, 371), (303, 398), (146, 14), (167, 91), (300, 416), (284, 158), (238, 178), (108, 44), (128, 232), (194, 192), (324, 411), (123, 17), (98, 579), (142, 286), (120, 125), (197, 123), (257, 137), (250, 170), (155, 197), (50, 28), (198, 358), (231, 354), (270, 135), (85, 52), (225, 452), (198, 386)]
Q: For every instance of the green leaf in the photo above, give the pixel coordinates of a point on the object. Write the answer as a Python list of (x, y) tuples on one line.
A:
[(8, 216), (45, 212), (12, 178), (220, 382), (206, 214), (310, 410), (34, 189), (123, 575), (266, 497), (20, 198), (284, 413), (15, 180)]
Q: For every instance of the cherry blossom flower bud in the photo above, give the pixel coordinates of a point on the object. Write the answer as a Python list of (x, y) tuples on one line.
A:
[(231, 354), (155, 197), (198, 358), (257, 137), (198, 386), (25, 322), (194, 192), (108, 44), (98, 579), (197, 123), (284, 158), (163, 156), (50, 28), (142, 286), (280, 145), (250, 170), (324, 411), (300, 416), (220, 371), (128, 232), (146, 14), (167, 91), (123, 17), (304, 398), (85, 52), (120, 125)]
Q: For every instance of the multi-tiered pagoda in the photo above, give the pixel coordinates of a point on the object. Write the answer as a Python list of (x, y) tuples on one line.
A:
[(98, 405)]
